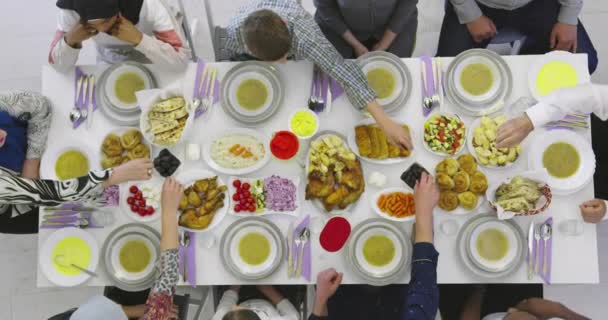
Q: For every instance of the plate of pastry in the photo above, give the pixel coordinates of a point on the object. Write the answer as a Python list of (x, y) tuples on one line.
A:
[(122, 145), (370, 143), (462, 186)]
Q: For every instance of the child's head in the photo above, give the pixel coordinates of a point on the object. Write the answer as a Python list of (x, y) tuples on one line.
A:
[(241, 314), (266, 35)]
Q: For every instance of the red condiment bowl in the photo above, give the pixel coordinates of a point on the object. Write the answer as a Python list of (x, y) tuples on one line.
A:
[(284, 145)]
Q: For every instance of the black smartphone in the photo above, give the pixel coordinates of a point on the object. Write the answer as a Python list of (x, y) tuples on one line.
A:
[(413, 174)]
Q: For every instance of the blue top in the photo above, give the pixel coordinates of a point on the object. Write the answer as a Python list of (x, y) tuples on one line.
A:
[(422, 300), (12, 153)]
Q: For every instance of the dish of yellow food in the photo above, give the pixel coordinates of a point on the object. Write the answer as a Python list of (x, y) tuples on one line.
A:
[(134, 256), (555, 75), (252, 94), (71, 164), (126, 85), (484, 144), (460, 183), (72, 250), (118, 149), (200, 203), (378, 250), (476, 79), (561, 160), (492, 244), (254, 248), (382, 82), (372, 143)]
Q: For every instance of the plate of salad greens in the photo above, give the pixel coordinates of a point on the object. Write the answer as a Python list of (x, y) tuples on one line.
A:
[(444, 134)]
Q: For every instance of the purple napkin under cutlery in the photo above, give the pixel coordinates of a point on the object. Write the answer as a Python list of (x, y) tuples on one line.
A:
[(200, 66), (428, 87), (327, 85), (306, 260), (190, 255), (81, 99)]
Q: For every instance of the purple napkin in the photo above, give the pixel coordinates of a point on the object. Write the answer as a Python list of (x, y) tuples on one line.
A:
[(306, 262), (78, 102), (546, 276), (327, 82), (428, 88), (200, 66), (190, 259)]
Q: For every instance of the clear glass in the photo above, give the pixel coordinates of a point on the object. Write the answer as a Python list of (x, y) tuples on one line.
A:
[(571, 227), (449, 227)]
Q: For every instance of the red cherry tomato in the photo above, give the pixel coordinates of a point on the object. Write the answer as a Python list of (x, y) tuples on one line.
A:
[(150, 210), (142, 211), (246, 186), (131, 200), (141, 203), (138, 195), (250, 200), (236, 183), (235, 197), (237, 208), (247, 194), (134, 208), (251, 208), (133, 189)]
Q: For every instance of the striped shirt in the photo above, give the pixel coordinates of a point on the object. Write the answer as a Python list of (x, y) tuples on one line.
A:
[(308, 43)]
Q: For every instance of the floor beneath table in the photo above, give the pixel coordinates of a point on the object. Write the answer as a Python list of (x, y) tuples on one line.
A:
[(26, 50)]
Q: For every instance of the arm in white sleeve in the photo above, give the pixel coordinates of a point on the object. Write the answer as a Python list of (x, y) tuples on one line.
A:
[(174, 57), (227, 303), (287, 310), (587, 98), (62, 56)]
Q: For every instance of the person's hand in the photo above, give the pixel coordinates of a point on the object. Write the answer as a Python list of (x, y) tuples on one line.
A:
[(126, 31), (426, 195), (360, 50), (396, 134), (481, 29), (513, 132), (171, 195), (134, 170), (328, 282), (79, 33), (380, 46), (593, 211), (541, 308), (563, 37), (3, 136)]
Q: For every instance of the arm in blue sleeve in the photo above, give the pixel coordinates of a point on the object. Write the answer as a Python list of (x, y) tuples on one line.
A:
[(422, 299)]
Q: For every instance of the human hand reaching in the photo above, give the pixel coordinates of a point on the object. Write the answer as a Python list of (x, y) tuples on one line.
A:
[(593, 211), (481, 29), (396, 134), (513, 132), (426, 195), (171, 195), (134, 170)]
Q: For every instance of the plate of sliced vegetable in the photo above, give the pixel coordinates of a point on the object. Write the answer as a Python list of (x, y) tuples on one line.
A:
[(396, 204), (261, 196), (444, 134)]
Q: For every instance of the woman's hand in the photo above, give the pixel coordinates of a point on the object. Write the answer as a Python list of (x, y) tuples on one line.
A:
[(171, 195), (593, 211), (126, 31), (78, 34), (134, 170), (513, 132), (328, 282)]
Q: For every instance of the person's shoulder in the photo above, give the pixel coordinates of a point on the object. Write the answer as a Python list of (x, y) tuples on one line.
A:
[(67, 18)]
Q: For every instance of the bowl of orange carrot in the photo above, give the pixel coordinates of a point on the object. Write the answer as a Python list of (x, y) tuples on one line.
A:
[(396, 204)]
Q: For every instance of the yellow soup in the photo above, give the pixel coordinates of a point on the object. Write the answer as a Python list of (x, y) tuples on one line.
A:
[(555, 75), (126, 85), (71, 164), (73, 251), (492, 244), (254, 248), (476, 79), (134, 256), (303, 124), (382, 81), (561, 160), (251, 94), (378, 250)]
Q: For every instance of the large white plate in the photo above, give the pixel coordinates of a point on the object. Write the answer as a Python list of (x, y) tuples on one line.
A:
[(585, 172), (237, 171), (119, 132), (510, 255), (352, 144), (266, 211), (449, 115), (133, 276), (471, 148), (374, 203), (238, 80), (110, 82), (187, 178), (390, 67), (53, 151), (553, 56), (46, 257)]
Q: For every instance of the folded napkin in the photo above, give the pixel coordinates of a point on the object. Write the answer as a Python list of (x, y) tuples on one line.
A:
[(200, 66), (190, 254), (306, 262), (327, 85)]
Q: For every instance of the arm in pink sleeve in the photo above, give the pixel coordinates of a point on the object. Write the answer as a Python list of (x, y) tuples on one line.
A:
[(165, 48)]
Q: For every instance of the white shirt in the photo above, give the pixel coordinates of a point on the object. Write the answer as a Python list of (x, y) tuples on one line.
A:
[(99, 308), (502, 315), (264, 309)]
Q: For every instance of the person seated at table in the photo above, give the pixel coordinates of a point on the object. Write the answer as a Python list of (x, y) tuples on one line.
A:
[(146, 31), (355, 27), (586, 99), (159, 305), (422, 296), (276, 307), (274, 30), (548, 25)]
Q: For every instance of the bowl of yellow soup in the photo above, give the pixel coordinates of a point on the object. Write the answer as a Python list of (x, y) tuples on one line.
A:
[(122, 82), (134, 257), (493, 246), (68, 159), (477, 79)]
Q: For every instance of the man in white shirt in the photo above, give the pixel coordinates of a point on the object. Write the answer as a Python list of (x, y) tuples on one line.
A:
[(548, 25), (587, 99)]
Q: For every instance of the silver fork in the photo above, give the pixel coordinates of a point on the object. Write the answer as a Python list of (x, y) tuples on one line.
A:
[(301, 243), (437, 82), (208, 95), (312, 101), (320, 100)]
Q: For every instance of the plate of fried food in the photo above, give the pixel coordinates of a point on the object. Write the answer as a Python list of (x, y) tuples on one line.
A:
[(396, 204), (205, 202), (523, 195), (370, 143), (166, 120), (482, 144), (334, 174), (122, 145), (462, 186)]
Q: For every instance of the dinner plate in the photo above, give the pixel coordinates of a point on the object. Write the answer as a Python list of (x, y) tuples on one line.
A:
[(394, 65), (229, 248), (47, 253), (119, 132), (476, 123), (265, 211), (557, 77), (352, 144), (464, 247), (187, 178), (271, 78), (500, 264), (488, 103), (443, 154), (378, 275), (262, 138), (54, 150), (156, 183), (374, 204), (584, 174), (117, 275)]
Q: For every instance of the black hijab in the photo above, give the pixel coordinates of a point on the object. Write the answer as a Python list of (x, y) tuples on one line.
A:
[(103, 9)]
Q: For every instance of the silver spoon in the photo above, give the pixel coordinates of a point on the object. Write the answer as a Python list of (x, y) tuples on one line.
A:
[(546, 232), (75, 113), (184, 241), (60, 260), (301, 243), (427, 103)]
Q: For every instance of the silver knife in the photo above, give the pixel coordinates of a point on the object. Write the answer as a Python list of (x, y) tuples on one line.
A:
[(90, 101), (290, 266), (531, 255)]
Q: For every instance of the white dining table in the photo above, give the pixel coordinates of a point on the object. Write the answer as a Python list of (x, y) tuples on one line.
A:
[(575, 258)]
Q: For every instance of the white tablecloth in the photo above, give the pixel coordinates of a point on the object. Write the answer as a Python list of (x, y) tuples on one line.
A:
[(575, 259)]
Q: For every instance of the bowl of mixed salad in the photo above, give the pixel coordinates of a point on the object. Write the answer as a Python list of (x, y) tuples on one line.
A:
[(444, 134)]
